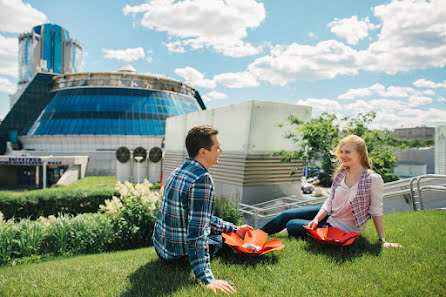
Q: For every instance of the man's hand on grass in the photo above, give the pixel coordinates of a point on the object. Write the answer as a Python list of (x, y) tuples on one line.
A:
[(241, 230), (390, 244), (220, 285)]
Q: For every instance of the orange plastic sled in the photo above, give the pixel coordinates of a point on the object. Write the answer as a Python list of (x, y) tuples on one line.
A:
[(332, 236), (254, 243)]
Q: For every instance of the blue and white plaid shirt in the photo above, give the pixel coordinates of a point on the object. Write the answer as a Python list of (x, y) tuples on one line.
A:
[(185, 218)]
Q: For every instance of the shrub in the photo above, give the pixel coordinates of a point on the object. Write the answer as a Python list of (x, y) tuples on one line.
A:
[(135, 213), (126, 222), (227, 210), (32, 204)]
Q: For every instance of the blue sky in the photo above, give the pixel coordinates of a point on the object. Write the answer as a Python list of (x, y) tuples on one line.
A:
[(342, 56)]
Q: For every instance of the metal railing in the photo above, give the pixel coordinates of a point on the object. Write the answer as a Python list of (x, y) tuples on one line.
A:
[(269, 209), (428, 187), (412, 195), (405, 187)]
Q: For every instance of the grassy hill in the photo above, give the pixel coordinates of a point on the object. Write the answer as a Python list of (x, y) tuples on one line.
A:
[(302, 268)]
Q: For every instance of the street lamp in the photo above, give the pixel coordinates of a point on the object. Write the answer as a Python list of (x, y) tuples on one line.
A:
[(138, 159)]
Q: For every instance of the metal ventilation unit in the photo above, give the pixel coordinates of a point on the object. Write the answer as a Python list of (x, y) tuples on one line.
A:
[(140, 154), (155, 154), (123, 154), (140, 164), (123, 166)]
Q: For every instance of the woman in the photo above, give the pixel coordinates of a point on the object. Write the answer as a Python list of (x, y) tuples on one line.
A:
[(356, 194)]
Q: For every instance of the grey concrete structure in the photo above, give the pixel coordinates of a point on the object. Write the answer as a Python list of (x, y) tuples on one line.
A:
[(249, 133), (415, 161), (440, 148)]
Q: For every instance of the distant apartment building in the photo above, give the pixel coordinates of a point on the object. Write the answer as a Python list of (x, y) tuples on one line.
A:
[(416, 132)]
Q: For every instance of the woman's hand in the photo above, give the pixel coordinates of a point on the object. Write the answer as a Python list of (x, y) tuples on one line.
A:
[(313, 224), (390, 244)]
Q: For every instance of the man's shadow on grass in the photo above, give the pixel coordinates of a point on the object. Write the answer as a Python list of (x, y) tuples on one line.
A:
[(157, 278), (341, 254), (230, 257)]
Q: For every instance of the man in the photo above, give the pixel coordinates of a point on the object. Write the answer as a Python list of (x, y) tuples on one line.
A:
[(185, 218)]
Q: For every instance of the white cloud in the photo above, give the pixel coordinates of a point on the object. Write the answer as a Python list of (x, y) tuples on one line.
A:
[(18, 17), (149, 59), (441, 99), (216, 95), (8, 56), (412, 36), (221, 24), (352, 29), (237, 80), (325, 60), (428, 92), (6, 86), (397, 92), (423, 83), (127, 55), (378, 89), (311, 35), (390, 114), (175, 47), (419, 100), (195, 78), (362, 92), (321, 105), (387, 105)]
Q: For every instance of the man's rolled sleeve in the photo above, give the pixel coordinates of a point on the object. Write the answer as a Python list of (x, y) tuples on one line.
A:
[(199, 226), (219, 225)]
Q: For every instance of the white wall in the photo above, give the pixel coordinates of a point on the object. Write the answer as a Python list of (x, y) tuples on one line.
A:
[(245, 128)]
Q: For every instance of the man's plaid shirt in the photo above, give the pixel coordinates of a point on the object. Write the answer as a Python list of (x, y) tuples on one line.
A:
[(185, 218)]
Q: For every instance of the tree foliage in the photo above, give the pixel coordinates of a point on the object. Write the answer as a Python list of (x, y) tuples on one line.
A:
[(319, 137)]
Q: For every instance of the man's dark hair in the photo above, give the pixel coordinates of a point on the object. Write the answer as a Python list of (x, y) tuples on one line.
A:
[(199, 137)]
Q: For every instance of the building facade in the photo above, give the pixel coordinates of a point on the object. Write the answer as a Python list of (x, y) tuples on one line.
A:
[(416, 132), (48, 48), (114, 119)]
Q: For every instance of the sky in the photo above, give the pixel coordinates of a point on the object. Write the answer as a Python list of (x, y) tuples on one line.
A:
[(344, 57)]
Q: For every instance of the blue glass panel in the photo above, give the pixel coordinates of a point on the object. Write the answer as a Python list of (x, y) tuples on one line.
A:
[(47, 46), (57, 50)]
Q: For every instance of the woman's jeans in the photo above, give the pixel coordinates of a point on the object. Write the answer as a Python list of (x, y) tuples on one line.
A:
[(293, 220)]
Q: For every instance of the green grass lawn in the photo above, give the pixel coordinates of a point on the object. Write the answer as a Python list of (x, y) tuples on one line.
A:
[(95, 181), (302, 268)]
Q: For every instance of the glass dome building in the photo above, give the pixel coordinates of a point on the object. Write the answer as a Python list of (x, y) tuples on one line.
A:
[(116, 119), (114, 103)]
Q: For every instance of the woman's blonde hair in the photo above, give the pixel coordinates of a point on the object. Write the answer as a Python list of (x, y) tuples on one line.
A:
[(361, 148)]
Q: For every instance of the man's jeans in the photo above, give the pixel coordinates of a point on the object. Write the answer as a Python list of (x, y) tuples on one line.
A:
[(215, 243), (293, 220)]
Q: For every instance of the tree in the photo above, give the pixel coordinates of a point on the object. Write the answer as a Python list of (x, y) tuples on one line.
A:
[(319, 137)]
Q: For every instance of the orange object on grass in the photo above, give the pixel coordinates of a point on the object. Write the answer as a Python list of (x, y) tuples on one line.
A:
[(254, 243), (332, 235)]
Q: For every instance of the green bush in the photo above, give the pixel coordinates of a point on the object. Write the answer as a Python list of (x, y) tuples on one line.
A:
[(127, 222), (36, 203), (389, 177), (227, 210), (134, 225)]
